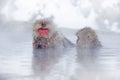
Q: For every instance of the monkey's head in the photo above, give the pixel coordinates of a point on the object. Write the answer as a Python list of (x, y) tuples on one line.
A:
[(87, 37), (44, 28)]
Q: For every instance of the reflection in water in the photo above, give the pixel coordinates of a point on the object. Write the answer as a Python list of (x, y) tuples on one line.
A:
[(96, 65), (17, 62), (87, 64), (87, 56), (44, 60)]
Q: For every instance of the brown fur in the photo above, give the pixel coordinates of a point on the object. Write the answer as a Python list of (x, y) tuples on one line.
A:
[(54, 38), (87, 38)]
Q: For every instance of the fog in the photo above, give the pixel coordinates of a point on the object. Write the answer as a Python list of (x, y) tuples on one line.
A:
[(19, 61), (98, 14)]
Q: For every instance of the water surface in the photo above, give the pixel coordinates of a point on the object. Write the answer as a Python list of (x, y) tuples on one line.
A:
[(18, 61)]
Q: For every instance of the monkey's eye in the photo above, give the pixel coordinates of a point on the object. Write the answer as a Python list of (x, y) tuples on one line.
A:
[(88, 36)]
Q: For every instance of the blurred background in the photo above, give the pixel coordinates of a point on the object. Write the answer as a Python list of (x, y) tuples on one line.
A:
[(75, 14), (19, 62)]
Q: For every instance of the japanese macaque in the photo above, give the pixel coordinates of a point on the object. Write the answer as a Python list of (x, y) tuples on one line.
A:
[(45, 35), (87, 38)]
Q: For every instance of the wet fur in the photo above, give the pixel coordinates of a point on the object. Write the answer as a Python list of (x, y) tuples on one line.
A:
[(49, 24), (87, 38), (54, 38)]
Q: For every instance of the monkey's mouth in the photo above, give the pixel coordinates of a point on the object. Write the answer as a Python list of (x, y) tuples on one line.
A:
[(43, 32)]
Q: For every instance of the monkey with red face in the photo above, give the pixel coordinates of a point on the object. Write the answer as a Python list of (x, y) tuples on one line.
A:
[(45, 35)]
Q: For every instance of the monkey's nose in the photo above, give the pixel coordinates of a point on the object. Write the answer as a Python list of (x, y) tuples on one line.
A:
[(43, 24)]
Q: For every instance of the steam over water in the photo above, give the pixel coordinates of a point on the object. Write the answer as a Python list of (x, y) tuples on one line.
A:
[(19, 61), (98, 14)]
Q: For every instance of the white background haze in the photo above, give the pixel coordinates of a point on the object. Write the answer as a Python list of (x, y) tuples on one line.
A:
[(98, 14)]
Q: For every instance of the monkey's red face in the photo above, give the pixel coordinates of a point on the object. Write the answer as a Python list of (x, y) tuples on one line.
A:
[(43, 32)]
